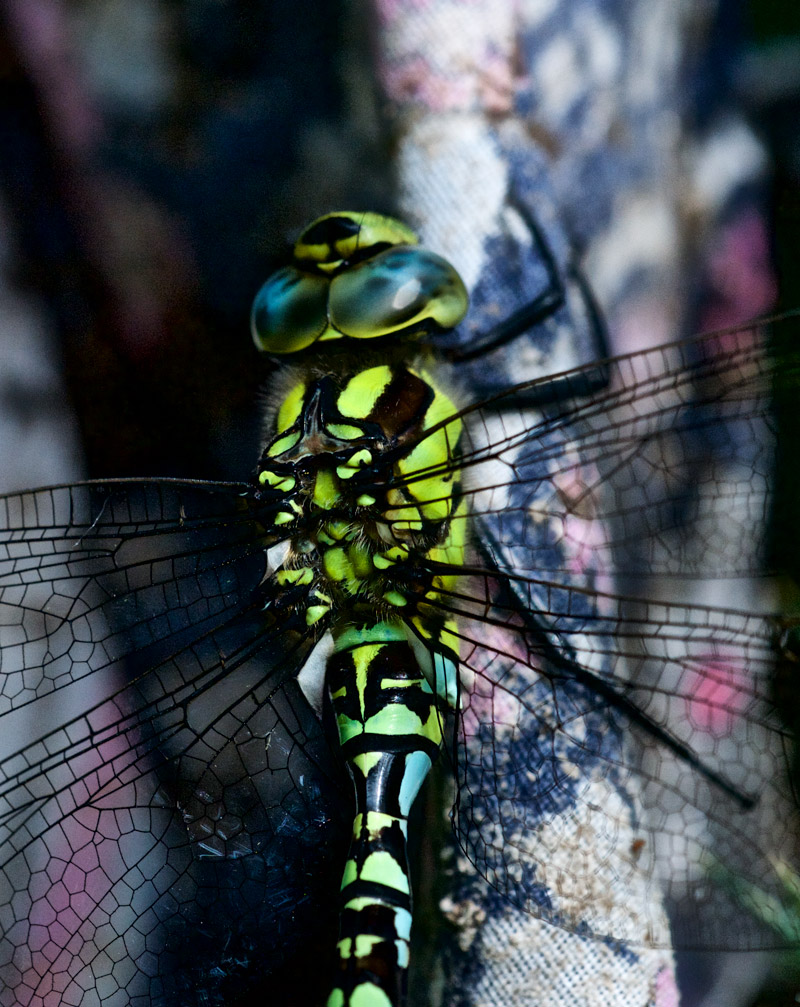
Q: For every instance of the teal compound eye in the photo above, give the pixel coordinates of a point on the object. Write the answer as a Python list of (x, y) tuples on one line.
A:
[(401, 288), (290, 312), (356, 276)]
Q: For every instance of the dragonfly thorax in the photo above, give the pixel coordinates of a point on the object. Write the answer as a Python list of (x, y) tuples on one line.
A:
[(359, 477)]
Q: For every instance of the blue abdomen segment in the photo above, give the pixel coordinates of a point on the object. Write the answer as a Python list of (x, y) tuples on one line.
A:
[(390, 729)]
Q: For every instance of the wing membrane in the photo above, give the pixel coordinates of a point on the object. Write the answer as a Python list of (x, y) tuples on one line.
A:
[(158, 740), (684, 436), (670, 703), (619, 729), (164, 772)]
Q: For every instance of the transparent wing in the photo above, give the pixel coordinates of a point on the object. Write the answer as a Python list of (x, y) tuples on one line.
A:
[(154, 736), (631, 758), (173, 819), (618, 730)]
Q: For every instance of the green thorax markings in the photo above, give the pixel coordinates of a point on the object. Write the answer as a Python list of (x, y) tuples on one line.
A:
[(367, 482)]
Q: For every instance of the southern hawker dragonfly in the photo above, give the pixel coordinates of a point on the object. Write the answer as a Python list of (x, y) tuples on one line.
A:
[(194, 673)]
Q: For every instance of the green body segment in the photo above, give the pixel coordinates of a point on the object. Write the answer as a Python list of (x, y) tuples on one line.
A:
[(390, 727), (363, 478)]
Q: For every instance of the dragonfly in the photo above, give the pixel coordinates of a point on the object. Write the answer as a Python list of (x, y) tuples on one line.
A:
[(220, 700)]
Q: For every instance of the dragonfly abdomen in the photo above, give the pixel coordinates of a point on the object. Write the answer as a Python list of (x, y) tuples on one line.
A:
[(390, 729)]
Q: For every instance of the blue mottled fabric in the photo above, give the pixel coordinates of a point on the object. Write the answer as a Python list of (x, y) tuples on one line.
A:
[(568, 124)]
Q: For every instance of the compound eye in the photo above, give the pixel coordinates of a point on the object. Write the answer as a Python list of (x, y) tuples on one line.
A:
[(289, 311), (401, 288)]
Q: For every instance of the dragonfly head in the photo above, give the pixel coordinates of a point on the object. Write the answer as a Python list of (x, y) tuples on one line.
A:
[(356, 276)]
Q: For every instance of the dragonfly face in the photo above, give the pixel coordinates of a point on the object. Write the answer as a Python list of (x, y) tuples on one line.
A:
[(173, 809)]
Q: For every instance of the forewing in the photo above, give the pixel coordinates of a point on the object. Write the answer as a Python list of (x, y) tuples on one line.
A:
[(167, 790), (618, 730)]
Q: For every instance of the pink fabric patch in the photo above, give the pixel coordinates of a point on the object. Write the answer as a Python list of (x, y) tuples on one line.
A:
[(474, 71), (42, 30), (716, 694), (740, 274), (666, 989)]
